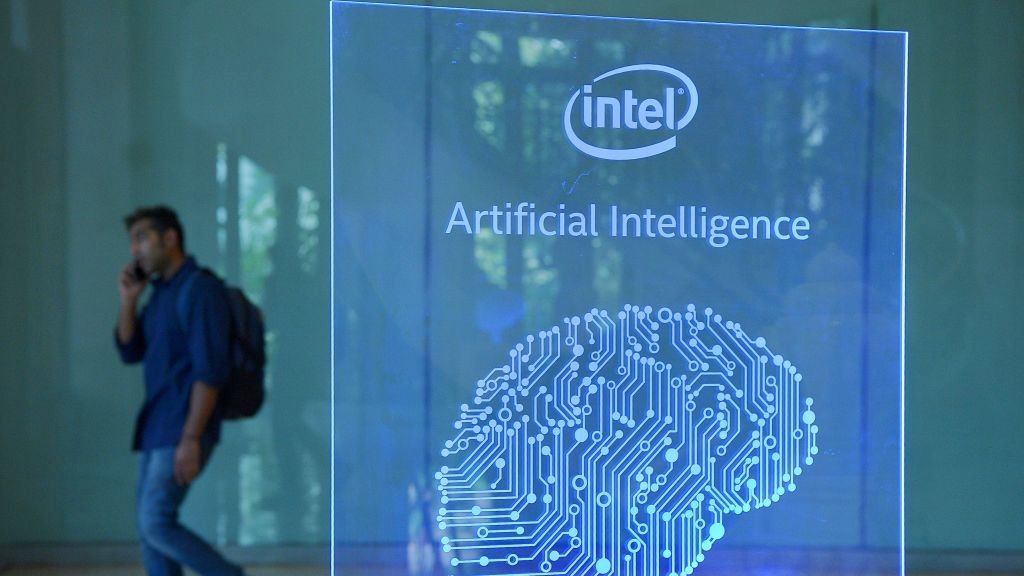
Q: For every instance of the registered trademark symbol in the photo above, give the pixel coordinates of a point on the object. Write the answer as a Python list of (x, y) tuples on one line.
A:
[(680, 91)]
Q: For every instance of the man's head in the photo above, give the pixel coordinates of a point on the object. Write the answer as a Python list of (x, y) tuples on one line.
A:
[(156, 238)]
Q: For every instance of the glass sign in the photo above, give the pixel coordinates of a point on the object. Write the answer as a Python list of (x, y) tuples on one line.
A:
[(615, 296)]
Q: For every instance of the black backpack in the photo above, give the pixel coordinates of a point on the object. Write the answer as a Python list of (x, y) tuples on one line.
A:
[(243, 393)]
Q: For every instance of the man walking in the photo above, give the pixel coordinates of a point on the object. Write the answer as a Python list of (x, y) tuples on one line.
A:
[(182, 338)]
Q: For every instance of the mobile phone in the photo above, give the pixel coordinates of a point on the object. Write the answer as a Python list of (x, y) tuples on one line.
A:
[(138, 273)]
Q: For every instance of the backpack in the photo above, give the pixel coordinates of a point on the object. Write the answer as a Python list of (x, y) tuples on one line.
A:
[(243, 393)]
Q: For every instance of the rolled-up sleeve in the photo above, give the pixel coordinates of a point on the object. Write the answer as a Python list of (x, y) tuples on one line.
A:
[(209, 334), (134, 350)]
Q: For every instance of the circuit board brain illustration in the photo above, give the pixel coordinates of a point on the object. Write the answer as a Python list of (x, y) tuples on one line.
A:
[(620, 443)]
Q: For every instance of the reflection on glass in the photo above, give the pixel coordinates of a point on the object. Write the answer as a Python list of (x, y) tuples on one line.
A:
[(486, 48), (543, 52), (257, 225), (540, 279), (222, 208), (491, 254), (280, 485), (489, 98), (309, 222)]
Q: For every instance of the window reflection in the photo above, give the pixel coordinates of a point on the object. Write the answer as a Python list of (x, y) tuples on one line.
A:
[(269, 241), (490, 253), (257, 225), (540, 278), (551, 52), (308, 220), (485, 48), (222, 207), (489, 99)]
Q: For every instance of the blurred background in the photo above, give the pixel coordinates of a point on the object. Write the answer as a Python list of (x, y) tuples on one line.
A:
[(221, 109)]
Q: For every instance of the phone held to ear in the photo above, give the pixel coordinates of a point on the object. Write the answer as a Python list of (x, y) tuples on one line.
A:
[(138, 273)]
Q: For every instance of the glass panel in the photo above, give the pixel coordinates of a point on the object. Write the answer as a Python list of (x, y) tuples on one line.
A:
[(624, 300)]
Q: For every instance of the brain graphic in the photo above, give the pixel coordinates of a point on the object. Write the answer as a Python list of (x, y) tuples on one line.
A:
[(618, 443)]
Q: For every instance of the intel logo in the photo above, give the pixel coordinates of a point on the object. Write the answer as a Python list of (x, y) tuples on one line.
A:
[(618, 124)]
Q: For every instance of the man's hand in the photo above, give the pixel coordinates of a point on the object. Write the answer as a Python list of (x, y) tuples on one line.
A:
[(187, 460), (128, 285)]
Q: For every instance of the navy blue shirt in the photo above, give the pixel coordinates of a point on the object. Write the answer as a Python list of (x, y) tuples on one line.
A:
[(180, 341)]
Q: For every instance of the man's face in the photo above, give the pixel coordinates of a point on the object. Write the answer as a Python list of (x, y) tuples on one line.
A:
[(148, 247)]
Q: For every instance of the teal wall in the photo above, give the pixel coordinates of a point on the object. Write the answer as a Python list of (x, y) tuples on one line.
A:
[(965, 272), (221, 109)]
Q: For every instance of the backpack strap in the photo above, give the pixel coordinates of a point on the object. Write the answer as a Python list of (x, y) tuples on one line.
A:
[(182, 303)]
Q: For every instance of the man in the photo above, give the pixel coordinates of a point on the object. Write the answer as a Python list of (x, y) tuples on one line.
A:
[(181, 336)]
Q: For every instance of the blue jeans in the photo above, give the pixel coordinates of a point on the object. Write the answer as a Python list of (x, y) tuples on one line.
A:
[(166, 544)]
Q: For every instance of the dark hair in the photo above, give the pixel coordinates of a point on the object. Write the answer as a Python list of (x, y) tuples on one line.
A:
[(161, 218)]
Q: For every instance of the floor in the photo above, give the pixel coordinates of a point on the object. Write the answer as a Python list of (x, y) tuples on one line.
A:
[(133, 570), (295, 570)]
